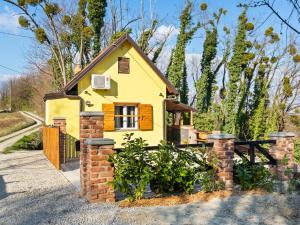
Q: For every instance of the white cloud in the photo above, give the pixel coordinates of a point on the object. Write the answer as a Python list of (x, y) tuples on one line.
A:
[(8, 20), (163, 31), (4, 78)]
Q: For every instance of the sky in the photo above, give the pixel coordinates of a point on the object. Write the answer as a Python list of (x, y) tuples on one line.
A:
[(14, 49)]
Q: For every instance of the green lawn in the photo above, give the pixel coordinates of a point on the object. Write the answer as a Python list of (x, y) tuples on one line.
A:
[(29, 142), (11, 122)]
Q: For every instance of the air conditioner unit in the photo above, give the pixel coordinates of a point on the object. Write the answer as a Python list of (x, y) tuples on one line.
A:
[(100, 82)]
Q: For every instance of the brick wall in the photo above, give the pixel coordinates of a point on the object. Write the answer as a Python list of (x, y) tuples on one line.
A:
[(61, 123), (224, 151), (283, 149), (91, 126), (100, 171)]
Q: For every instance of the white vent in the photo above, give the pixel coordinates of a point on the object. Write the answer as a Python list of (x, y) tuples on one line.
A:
[(100, 82)]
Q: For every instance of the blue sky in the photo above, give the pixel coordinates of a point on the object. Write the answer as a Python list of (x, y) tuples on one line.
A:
[(14, 49)]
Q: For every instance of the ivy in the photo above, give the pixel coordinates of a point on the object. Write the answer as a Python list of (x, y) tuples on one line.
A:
[(96, 14), (207, 78), (175, 71), (236, 67)]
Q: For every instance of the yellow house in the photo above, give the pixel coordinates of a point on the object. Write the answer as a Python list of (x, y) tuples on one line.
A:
[(123, 83)]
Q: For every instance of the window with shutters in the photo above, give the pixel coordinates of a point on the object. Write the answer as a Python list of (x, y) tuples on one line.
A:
[(123, 65), (126, 117)]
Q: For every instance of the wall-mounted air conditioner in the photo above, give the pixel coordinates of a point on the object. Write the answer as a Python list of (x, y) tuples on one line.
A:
[(100, 82)]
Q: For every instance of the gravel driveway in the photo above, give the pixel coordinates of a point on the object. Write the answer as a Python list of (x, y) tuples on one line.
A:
[(33, 192)]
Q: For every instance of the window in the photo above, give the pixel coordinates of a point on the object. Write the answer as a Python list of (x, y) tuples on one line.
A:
[(126, 117), (123, 65)]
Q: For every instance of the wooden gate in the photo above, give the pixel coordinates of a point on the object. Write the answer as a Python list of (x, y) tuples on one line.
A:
[(51, 145)]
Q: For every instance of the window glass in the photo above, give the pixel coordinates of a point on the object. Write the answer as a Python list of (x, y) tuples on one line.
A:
[(126, 117), (119, 119), (131, 116)]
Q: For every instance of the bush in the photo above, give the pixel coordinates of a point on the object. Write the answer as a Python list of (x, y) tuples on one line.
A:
[(253, 176), (132, 173), (29, 142), (208, 179), (297, 152), (172, 170), (167, 170)]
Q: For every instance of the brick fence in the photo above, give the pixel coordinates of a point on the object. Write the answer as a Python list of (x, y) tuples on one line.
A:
[(61, 123), (283, 152), (224, 150), (96, 172)]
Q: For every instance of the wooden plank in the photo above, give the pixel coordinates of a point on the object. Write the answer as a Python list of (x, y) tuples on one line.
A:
[(51, 145), (252, 153), (266, 154)]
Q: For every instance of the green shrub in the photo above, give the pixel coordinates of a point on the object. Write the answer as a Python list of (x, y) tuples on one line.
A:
[(297, 152), (253, 176), (33, 141), (172, 170), (132, 173), (167, 169), (208, 179)]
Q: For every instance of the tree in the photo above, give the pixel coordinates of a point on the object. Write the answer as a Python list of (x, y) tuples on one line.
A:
[(207, 78), (236, 67), (184, 94), (47, 21), (204, 86), (293, 10), (96, 14), (187, 30)]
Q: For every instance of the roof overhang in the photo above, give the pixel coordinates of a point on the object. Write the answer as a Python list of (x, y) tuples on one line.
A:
[(58, 95), (176, 106), (107, 51)]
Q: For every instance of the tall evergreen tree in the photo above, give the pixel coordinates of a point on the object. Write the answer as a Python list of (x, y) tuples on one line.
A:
[(96, 14), (184, 94), (236, 67), (207, 78), (187, 30), (257, 123)]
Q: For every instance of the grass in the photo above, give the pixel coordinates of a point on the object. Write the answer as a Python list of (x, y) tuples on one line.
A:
[(11, 122), (28, 142)]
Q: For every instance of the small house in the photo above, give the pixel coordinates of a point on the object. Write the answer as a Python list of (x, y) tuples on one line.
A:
[(135, 97)]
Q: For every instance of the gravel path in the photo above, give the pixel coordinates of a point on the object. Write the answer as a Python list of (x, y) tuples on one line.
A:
[(33, 192)]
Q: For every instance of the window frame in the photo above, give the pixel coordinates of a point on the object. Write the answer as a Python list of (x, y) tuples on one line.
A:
[(125, 116), (120, 71)]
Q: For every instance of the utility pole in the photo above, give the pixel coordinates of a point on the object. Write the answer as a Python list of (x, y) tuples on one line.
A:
[(10, 101)]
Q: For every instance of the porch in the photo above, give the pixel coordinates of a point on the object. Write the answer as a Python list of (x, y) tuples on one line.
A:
[(180, 128)]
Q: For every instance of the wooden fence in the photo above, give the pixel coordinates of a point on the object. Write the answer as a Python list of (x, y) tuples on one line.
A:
[(51, 145)]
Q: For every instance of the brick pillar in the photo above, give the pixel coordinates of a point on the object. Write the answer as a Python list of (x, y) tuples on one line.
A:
[(91, 126), (283, 149), (99, 170), (224, 150), (61, 123)]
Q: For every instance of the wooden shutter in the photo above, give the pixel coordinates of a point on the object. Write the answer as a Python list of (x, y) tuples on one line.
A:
[(123, 65), (109, 116), (146, 117)]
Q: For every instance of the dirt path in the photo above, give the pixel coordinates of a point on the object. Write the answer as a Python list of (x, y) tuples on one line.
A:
[(10, 139), (33, 192)]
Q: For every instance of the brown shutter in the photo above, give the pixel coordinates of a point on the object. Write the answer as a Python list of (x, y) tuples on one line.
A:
[(109, 116), (146, 117), (123, 65)]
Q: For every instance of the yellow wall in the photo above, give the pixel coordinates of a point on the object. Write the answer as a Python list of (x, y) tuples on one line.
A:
[(142, 85), (64, 107)]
